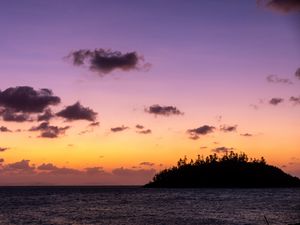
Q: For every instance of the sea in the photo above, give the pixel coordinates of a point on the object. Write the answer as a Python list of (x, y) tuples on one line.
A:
[(137, 205)]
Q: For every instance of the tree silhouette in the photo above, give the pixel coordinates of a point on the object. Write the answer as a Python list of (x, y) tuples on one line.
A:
[(230, 170)]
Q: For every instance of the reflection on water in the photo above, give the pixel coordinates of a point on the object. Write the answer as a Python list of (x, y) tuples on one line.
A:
[(134, 205)]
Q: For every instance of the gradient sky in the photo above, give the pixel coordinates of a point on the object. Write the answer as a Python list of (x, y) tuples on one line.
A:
[(209, 59)]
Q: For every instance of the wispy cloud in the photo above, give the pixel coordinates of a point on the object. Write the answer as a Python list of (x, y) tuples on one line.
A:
[(276, 79)]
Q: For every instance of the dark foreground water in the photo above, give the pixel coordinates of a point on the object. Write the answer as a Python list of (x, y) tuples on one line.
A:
[(135, 205)]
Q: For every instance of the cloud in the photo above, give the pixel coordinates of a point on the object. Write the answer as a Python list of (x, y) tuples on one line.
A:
[(118, 129), (94, 170), (47, 166), (46, 116), (276, 79), (147, 131), (163, 110), (105, 61), (295, 100), (227, 128), (77, 112), (222, 150), (297, 73), (246, 135), (4, 129), (3, 149), (147, 164), (276, 101), (9, 115), (203, 130), (48, 131), (1, 160), (21, 166), (129, 172), (27, 100), (94, 124), (138, 126), (284, 6)]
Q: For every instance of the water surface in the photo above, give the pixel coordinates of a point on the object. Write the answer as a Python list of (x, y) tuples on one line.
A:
[(136, 205)]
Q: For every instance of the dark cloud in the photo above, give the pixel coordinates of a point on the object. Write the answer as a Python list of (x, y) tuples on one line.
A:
[(203, 130), (1, 160), (94, 170), (46, 116), (284, 6), (138, 126), (147, 164), (4, 129), (105, 61), (246, 135), (295, 100), (21, 166), (276, 79), (3, 149), (27, 100), (227, 128), (297, 73), (128, 172), (203, 147), (47, 167), (77, 112), (10, 115), (94, 124), (276, 101), (118, 129), (147, 131), (163, 110), (48, 131), (222, 150)]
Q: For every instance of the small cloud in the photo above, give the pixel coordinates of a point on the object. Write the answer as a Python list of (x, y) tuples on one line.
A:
[(94, 170), (21, 166), (295, 100), (27, 100), (4, 129), (1, 160), (46, 116), (276, 101), (147, 164), (148, 131), (105, 61), (163, 110), (284, 6), (203, 130), (138, 126), (77, 112), (246, 135), (48, 131), (227, 128), (10, 115), (203, 147), (94, 124), (297, 73), (222, 150), (47, 167), (276, 79), (3, 149), (118, 129)]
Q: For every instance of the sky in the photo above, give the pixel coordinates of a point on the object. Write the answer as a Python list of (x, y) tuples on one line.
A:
[(112, 92)]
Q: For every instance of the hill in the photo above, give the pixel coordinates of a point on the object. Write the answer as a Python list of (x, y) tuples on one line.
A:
[(232, 170)]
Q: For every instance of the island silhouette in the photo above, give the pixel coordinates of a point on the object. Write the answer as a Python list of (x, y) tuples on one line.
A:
[(232, 170)]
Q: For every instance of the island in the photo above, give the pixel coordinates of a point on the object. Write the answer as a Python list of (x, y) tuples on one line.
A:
[(231, 170)]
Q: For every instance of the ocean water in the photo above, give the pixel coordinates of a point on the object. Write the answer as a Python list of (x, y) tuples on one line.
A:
[(136, 205)]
